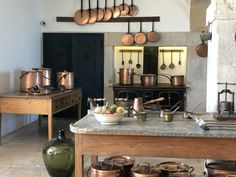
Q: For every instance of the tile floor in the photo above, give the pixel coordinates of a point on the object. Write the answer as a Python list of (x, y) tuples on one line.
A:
[(21, 156)]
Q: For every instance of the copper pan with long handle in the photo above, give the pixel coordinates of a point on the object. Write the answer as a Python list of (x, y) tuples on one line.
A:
[(100, 12), (133, 9), (175, 80), (115, 10), (92, 14), (81, 17), (140, 38), (124, 8), (152, 35), (127, 38), (107, 12)]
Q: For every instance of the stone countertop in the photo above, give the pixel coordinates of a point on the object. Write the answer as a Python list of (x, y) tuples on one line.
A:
[(153, 126)]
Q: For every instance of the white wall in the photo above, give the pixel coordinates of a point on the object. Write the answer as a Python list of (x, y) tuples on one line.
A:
[(20, 35), (174, 15)]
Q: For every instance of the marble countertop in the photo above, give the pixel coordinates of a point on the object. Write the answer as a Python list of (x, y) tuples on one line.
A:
[(153, 126)]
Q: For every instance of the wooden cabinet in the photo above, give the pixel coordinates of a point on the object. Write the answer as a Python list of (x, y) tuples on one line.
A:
[(172, 94)]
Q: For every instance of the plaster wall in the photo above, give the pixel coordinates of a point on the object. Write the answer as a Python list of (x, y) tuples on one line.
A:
[(20, 50)]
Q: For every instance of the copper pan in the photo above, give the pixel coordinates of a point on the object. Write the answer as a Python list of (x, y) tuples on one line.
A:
[(115, 10), (152, 35), (140, 38), (124, 8), (127, 38), (107, 12), (81, 17), (133, 9), (202, 49), (92, 15), (100, 12)]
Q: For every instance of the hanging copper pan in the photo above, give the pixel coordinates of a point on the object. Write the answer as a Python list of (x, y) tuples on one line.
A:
[(202, 49), (140, 38), (100, 12), (92, 14), (152, 35), (124, 8), (108, 12), (133, 9), (115, 10), (127, 38), (81, 16)]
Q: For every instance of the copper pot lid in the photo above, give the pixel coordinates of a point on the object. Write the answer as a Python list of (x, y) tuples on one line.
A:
[(175, 166), (146, 169), (119, 160)]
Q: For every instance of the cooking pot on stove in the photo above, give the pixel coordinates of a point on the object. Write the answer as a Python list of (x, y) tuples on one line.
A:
[(65, 79), (47, 75), (148, 79), (29, 79), (126, 76), (175, 80)]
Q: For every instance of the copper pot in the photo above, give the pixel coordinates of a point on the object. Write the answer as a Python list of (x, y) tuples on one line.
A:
[(46, 74), (145, 170), (104, 170), (65, 79), (126, 76), (175, 80), (202, 49), (148, 79), (29, 79), (220, 168)]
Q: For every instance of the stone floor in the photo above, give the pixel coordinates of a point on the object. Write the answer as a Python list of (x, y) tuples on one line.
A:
[(21, 156)]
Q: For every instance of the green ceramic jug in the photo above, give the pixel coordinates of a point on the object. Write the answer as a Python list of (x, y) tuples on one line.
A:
[(59, 156)]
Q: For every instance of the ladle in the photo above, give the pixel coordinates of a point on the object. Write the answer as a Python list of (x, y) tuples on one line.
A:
[(130, 59), (138, 65), (171, 65), (180, 58), (163, 66), (122, 62)]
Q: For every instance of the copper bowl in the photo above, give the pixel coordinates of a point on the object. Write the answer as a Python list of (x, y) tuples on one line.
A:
[(104, 170)]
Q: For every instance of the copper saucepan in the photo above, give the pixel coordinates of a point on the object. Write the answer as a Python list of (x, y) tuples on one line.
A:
[(115, 10), (100, 12), (92, 14), (127, 38), (81, 17), (175, 80), (124, 8), (133, 10), (140, 38), (107, 12)]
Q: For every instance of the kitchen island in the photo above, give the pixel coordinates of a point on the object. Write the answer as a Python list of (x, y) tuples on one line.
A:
[(181, 138)]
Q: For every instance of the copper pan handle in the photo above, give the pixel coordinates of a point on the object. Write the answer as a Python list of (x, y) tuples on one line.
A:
[(155, 100), (166, 75)]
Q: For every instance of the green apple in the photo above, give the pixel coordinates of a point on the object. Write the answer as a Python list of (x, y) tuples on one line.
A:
[(113, 107)]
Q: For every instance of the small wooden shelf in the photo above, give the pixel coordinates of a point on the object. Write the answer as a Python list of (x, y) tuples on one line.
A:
[(115, 20)]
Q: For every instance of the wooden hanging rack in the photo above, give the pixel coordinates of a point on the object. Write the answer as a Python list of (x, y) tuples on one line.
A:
[(130, 50), (115, 20)]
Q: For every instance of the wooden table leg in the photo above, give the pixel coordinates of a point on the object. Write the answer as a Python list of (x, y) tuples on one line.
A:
[(0, 127), (79, 157), (50, 127)]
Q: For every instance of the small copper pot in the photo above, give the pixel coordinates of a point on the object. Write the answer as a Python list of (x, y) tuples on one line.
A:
[(175, 80), (104, 170), (65, 79), (126, 76), (148, 79), (145, 170)]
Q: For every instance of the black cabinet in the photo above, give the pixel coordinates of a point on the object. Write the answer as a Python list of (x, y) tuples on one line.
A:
[(80, 53), (172, 94)]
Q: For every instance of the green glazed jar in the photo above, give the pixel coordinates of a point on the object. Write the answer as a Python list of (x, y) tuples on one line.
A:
[(59, 156)]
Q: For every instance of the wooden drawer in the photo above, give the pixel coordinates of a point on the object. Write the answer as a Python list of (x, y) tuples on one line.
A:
[(75, 98), (61, 103)]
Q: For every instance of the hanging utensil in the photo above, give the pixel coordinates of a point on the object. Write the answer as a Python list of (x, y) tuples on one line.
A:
[(108, 12), (171, 65), (124, 8), (115, 10), (81, 17), (133, 10), (152, 35), (140, 38), (92, 14), (163, 66), (179, 58), (130, 59), (138, 65), (122, 57), (100, 12), (127, 38)]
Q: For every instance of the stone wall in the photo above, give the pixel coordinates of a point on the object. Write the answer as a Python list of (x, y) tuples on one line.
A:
[(196, 66)]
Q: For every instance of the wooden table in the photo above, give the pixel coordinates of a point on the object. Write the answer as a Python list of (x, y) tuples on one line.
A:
[(23, 103), (153, 138)]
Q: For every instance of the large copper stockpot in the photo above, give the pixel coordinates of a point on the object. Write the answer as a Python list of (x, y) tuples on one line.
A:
[(29, 79), (104, 170), (46, 74), (65, 79), (126, 76)]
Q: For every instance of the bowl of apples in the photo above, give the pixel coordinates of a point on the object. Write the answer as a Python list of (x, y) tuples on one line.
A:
[(109, 115)]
